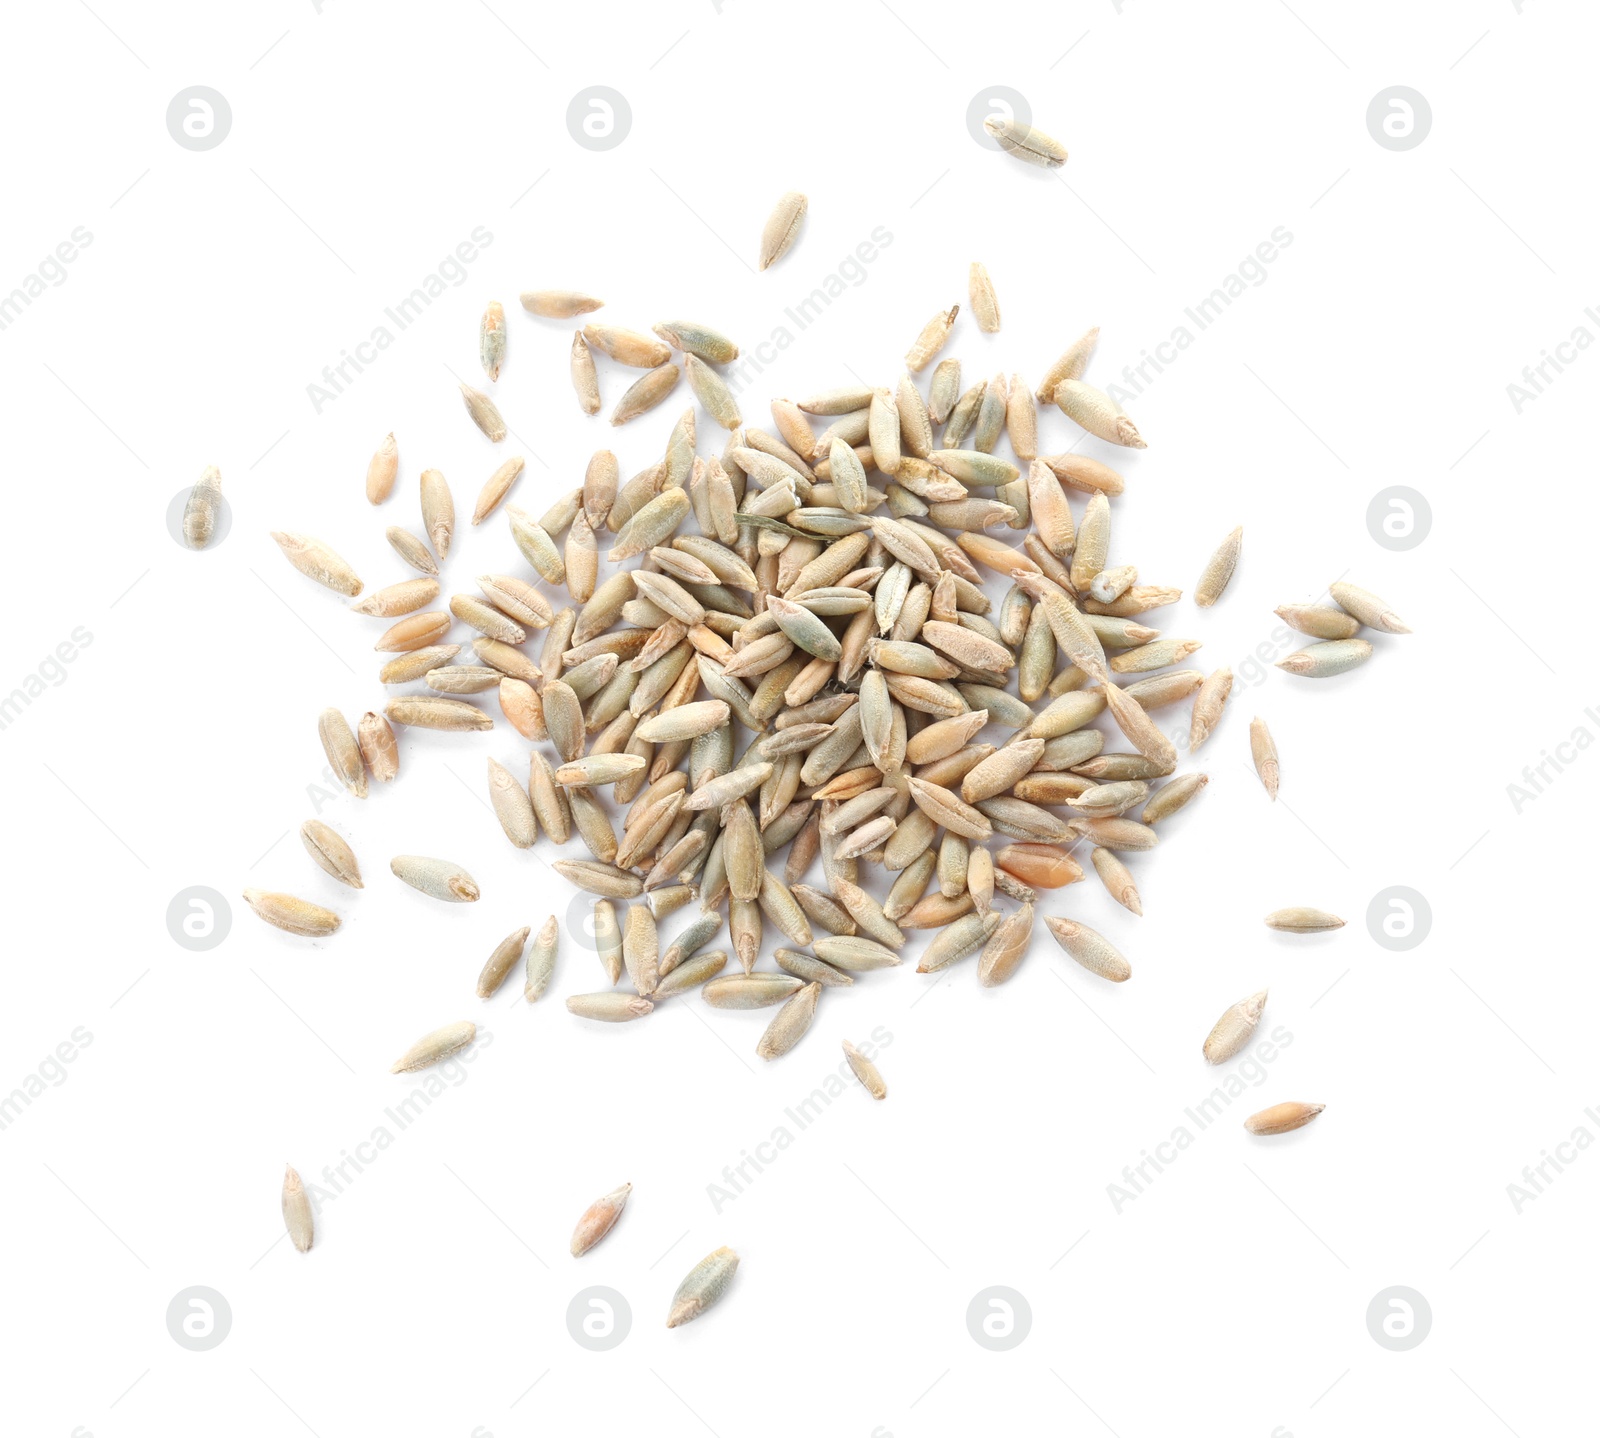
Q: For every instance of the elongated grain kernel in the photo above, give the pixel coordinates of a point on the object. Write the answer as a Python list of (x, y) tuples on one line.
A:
[(397, 599), (203, 507), (690, 974), (750, 991), (1168, 799), (1301, 920), (1118, 881), (585, 381), (436, 1046), (599, 1219), (1367, 607), (380, 752), (1233, 1030), (1283, 1117), (932, 339), (1209, 702), (382, 469), (1265, 755), (782, 229), (330, 852), (1098, 413), (1071, 365), (646, 392), (411, 549), (294, 916), (541, 963), (1041, 866), (296, 1206), (559, 304), (1323, 661), (437, 878), (507, 954), (954, 942), (316, 561), (613, 1006), (344, 753), (496, 487), (865, 1070), (1006, 948), (708, 1280), (789, 1024), (492, 339), (1025, 143), (1090, 949), (1319, 621), (980, 292), (1218, 571), (483, 412)]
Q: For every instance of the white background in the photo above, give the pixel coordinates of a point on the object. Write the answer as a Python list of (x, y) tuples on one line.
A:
[(1231, 1296)]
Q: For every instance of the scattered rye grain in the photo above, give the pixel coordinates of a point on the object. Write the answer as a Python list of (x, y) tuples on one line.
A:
[(611, 1006), (202, 508), (317, 561), (1219, 570), (789, 1025), (1232, 1031), (1302, 920), (1283, 1117), (432, 1048), (331, 852), (599, 1219), (865, 1070), (500, 963), (293, 915), (296, 1205), (437, 878), (1264, 753), (707, 1281), (781, 230), (1090, 949), (1026, 143), (541, 964), (483, 412), (380, 750)]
